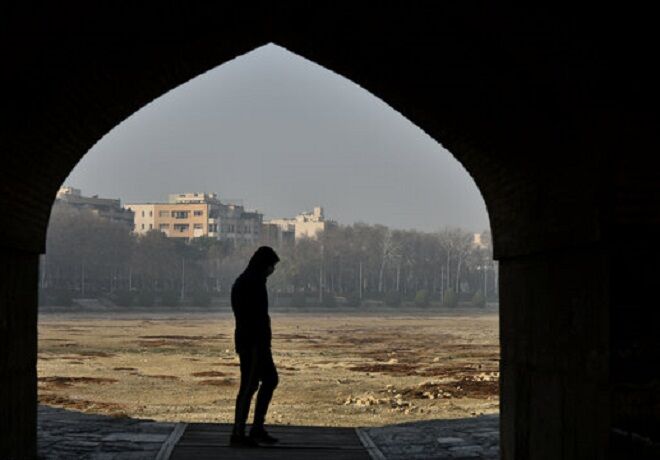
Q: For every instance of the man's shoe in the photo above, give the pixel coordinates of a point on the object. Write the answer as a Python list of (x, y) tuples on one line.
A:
[(240, 440), (261, 436)]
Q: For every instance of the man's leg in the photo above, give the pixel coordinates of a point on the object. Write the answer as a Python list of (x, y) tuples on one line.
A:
[(248, 386), (269, 381)]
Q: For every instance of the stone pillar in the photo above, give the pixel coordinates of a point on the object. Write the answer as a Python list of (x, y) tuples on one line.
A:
[(635, 349), (554, 329), (18, 354)]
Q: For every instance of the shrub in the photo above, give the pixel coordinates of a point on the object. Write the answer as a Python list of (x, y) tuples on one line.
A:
[(201, 298), (145, 298), (393, 299), (56, 297), (122, 298), (63, 298), (409, 296), (353, 299), (422, 298), (329, 300), (169, 298), (451, 299), (45, 297), (478, 300), (376, 295), (298, 300), (42, 298)]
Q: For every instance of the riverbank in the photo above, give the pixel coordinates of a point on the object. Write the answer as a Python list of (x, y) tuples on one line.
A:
[(336, 369)]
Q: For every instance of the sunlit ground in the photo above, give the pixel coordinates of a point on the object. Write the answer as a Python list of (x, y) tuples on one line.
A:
[(340, 370)]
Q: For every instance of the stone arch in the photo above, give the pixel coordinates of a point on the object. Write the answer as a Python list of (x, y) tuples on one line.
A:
[(516, 98)]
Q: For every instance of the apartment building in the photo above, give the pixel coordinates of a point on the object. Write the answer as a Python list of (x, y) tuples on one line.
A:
[(305, 224), (106, 208), (192, 215), (277, 235), (481, 240)]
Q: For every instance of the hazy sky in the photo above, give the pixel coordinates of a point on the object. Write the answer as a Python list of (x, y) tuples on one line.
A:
[(283, 135)]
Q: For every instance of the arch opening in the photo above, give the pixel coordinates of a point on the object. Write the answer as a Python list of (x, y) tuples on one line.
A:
[(522, 97), (474, 258)]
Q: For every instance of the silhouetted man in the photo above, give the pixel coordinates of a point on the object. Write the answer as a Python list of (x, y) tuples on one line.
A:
[(249, 301)]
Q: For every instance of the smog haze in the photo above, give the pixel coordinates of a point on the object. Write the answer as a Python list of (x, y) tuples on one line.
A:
[(283, 135)]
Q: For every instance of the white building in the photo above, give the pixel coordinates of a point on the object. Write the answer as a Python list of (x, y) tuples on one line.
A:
[(192, 215), (481, 240), (305, 224), (106, 208)]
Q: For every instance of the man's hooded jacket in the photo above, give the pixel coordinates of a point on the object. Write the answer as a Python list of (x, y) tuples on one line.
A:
[(249, 301)]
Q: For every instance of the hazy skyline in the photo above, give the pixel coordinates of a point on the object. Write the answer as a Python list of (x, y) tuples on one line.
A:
[(284, 134)]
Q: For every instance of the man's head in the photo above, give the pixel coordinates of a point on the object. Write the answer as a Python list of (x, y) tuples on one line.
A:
[(263, 260)]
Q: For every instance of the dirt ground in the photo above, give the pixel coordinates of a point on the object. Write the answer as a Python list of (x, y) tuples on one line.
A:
[(335, 369)]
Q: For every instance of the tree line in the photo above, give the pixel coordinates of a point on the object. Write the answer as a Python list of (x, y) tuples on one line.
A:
[(90, 257)]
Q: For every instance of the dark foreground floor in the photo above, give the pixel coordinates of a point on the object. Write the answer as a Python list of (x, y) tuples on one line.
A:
[(202, 441), (65, 434)]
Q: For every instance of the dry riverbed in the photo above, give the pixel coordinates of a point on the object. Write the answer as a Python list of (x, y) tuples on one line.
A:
[(335, 369)]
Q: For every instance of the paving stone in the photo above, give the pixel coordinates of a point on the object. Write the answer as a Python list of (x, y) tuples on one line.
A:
[(474, 438), (450, 440), (67, 435), (135, 437), (472, 449)]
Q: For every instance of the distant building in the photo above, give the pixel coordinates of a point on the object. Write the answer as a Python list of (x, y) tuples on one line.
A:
[(277, 235), (305, 224), (192, 215), (106, 208), (481, 240)]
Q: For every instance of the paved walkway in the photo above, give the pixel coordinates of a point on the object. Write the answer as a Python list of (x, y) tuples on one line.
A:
[(64, 434), (67, 434), (470, 438)]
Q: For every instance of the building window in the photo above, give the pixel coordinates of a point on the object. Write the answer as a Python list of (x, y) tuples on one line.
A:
[(180, 214), (151, 226), (198, 213), (164, 227), (181, 227), (142, 226), (142, 213), (163, 214), (151, 213), (198, 226)]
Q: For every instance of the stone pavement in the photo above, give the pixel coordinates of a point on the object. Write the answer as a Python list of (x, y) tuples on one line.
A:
[(64, 434), (470, 438)]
